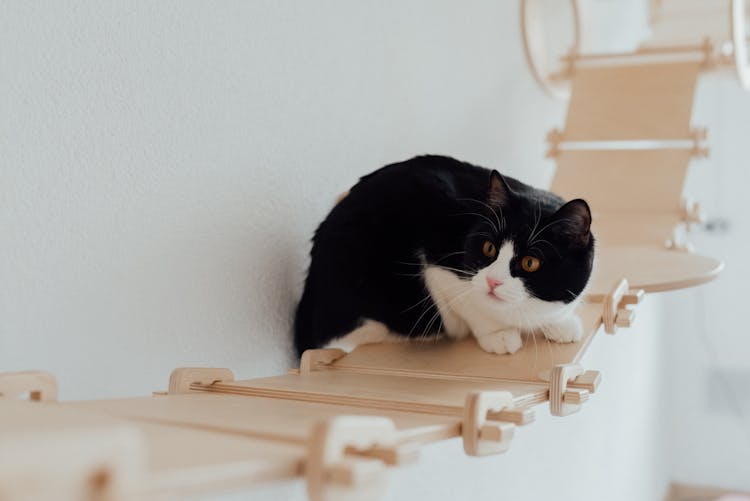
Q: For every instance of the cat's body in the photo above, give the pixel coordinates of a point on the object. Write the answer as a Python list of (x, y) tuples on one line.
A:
[(435, 246)]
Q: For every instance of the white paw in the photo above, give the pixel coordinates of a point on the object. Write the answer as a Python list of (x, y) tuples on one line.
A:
[(504, 341), (568, 331)]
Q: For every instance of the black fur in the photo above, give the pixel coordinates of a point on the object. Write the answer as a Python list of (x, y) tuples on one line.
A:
[(368, 254)]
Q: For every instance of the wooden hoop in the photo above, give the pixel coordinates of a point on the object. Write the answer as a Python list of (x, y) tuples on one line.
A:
[(534, 44), (740, 41)]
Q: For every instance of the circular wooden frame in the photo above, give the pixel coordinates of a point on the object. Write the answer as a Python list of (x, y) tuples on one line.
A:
[(740, 39), (535, 44)]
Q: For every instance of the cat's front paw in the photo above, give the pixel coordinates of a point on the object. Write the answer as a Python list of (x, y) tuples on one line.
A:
[(503, 341), (569, 330)]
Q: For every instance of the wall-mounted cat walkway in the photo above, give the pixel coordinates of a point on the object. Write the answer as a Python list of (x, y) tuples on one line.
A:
[(717, 30), (341, 420)]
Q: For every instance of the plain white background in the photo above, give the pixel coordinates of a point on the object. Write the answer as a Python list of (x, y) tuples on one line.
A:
[(163, 166)]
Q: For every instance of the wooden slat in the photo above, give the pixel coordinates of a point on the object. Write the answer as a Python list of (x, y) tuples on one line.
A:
[(187, 461), (60, 452), (643, 181), (377, 391), (466, 360), (652, 268), (649, 101), (273, 419), (629, 230)]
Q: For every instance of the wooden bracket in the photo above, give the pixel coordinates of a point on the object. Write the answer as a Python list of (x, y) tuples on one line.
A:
[(554, 138), (564, 401), (482, 437), (698, 136), (573, 383), (182, 378), (313, 359), (333, 474), (679, 241), (38, 385), (614, 311)]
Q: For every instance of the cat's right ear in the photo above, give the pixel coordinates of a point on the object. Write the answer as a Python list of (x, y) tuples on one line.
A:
[(499, 192)]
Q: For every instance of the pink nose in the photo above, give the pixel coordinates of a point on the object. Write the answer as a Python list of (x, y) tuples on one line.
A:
[(492, 283)]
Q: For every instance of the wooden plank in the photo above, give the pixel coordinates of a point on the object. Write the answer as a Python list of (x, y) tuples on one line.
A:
[(268, 418), (379, 391), (628, 230), (649, 101), (467, 361), (641, 181), (64, 452), (47, 453), (651, 268), (187, 461)]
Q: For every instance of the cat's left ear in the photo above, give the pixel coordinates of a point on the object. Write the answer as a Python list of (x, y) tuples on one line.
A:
[(499, 192), (575, 222)]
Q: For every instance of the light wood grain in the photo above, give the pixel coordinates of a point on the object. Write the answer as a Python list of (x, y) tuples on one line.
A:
[(652, 268), (466, 360), (188, 461), (632, 181), (48, 453), (387, 392), (37, 385), (274, 419), (63, 451), (636, 102)]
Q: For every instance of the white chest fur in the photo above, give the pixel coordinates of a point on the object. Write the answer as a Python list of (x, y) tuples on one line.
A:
[(497, 317)]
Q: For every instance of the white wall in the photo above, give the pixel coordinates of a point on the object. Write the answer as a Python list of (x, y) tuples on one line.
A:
[(164, 164), (708, 353)]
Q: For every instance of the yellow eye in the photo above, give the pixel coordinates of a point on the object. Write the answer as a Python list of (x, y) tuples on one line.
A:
[(530, 264), (489, 249)]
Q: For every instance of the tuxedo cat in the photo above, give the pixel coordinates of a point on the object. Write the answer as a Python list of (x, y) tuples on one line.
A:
[(434, 246)]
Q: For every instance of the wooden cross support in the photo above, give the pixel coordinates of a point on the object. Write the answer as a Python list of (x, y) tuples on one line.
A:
[(481, 435)]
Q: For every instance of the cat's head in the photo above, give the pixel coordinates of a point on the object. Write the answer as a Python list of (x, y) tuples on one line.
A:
[(528, 253)]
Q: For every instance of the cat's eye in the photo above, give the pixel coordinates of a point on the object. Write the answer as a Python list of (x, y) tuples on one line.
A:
[(489, 249), (530, 264)]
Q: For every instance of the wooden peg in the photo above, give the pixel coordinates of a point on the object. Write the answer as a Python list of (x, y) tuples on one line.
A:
[(182, 378), (38, 385), (392, 456), (562, 402), (576, 396), (331, 475), (589, 380), (633, 296), (313, 359), (520, 416), (480, 436), (625, 317)]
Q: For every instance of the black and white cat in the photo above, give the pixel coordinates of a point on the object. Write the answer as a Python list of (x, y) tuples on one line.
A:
[(433, 246)]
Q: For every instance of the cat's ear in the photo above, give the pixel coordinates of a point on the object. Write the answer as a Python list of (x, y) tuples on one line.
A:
[(575, 222), (499, 192)]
